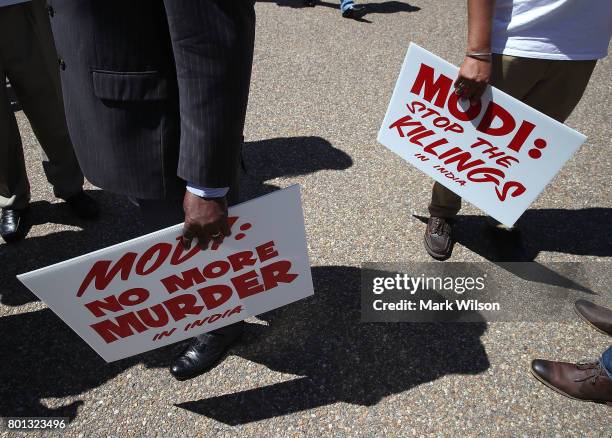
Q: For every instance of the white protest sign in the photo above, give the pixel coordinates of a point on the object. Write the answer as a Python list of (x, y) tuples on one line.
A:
[(498, 155), (148, 292)]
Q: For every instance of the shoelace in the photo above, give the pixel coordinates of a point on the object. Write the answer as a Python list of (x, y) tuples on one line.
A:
[(594, 376), (8, 216), (438, 226)]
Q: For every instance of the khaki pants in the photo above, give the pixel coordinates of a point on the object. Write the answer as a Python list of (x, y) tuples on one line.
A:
[(28, 59), (552, 87)]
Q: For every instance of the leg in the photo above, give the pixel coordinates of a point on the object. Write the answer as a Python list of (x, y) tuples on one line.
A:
[(33, 74), (14, 186), (561, 88), (606, 361), (350, 10), (444, 202), (444, 206), (208, 348), (517, 76)]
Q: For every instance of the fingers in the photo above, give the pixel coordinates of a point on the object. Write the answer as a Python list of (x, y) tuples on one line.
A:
[(217, 236), (214, 232), (472, 80), (205, 220), (188, 236), (225, 227), (470, 90), (203, 242), (475, 93)]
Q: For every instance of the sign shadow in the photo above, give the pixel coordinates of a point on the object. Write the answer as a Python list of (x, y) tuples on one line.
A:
[(340, 359)]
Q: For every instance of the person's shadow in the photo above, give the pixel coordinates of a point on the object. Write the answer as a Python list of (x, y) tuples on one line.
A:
[(120, 219), (319, 338), (580, 232), (386, 7), (340, 359), (41, 356)]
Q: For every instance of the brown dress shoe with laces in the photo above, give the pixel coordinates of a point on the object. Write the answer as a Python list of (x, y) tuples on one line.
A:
[(598, 316), (438, 238), (582, 381)]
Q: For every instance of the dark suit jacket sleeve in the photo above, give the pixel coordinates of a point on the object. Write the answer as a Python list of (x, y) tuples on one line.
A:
[(212, 41)]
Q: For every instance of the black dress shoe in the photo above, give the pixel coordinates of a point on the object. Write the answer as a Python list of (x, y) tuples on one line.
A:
[(438, 238), (355, 12), (14, 224), (205, 351), (83, 206)]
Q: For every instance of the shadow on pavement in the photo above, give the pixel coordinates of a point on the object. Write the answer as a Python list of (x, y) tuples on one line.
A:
[(579, 232), (387, 7), (339, 358), (285, 157), (41, 356), (120, 220), (320, 338)]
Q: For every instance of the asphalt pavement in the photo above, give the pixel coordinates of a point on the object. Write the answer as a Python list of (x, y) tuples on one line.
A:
[(320, 88)]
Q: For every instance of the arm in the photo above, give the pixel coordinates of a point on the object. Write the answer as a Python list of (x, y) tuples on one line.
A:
[(475, 71), (212, 42)]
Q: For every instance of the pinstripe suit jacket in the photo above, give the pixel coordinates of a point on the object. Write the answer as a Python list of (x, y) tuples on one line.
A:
[(155, 91)]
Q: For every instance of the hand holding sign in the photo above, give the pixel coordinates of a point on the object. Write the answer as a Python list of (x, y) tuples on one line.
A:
[(498, 153), (205, 219), (473, 78)]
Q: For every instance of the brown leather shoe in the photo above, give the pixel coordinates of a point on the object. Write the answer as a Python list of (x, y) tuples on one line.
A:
[(598, 316), (582, 381), (438, 238)]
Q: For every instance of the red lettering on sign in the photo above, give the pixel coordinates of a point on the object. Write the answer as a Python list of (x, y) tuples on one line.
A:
[(216, 295), (247, 284), (495, 111), (102, 274), (188, 279), (124, 327), (431, 89), (277, 272), (161, 249)]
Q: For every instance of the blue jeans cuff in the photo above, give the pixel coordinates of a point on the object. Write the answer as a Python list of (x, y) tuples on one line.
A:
[(606, 361), (346, 4)]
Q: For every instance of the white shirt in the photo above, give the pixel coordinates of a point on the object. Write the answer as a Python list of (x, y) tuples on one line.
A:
[(552, 29), (207, 192)]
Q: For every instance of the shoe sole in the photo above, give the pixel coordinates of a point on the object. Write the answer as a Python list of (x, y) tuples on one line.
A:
[(435, 255), (12, 239), (559, 391), (589, 322)]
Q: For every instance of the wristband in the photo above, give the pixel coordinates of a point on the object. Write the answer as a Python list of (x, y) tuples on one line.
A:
[(482, 56)]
